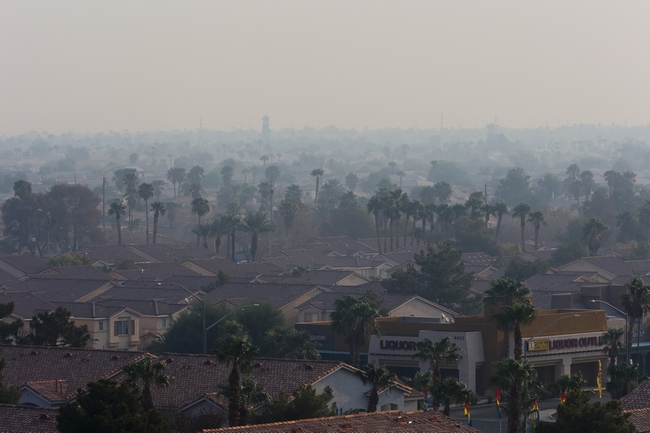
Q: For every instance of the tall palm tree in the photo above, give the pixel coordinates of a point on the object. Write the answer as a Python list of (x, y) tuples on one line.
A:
[(200, 207), (593, 234), (521, 211), (374, 207), (149, 373), (218, 229), (612, 341), (437, 353), (450, 389), (379, 377), (176, 175), (256, 224), (417, 212), (505, 292), (537, 220), (231, 224), (514, 316), (240, 353), (118, 209), (500, 209), (159, 210), (251, 393), (145, 192), (318, 174), (513, 375), (288, 210), (203, 231), (356, 319), (636, 303)]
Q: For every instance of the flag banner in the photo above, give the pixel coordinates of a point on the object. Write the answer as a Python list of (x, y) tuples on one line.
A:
[(599, 381), (563, 397)]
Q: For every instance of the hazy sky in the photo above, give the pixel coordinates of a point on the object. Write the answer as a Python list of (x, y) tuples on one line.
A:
[(148, 65)]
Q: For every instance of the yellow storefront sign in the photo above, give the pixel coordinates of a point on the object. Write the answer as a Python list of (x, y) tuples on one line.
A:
[(534, 345)]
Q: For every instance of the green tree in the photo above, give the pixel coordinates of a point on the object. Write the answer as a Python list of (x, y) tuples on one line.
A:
[(250, 394), (117, 209), (8, 394), (145, 192), (451, 389), (305, 403), (593, 234), (67, 259), (513, 317), (176, 175), (200, 207), (502, 293), (379, 377), (576, 415), (500, 209), (566, 383), (239, 353), (256, 224), (356, 319), (513, 375), (108, 407), (8, 329), (537, 220), (149, 373), (351, 181), (567, 253), (203, 231), (613, 345), (159, 210), (623, 378), (292, 343), (437, 353), (521, 211), (54, 328), (515, 187), (523, 269), (258, 321), (636, 303)]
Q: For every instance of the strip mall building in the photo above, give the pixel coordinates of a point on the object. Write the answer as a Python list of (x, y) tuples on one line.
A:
[(562, 344)]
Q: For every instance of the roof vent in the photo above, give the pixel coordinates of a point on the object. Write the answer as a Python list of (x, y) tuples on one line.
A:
[(309, 367), (400, 420), (68, 355), (208, 362), (45, 416), (297, 430), (115, 357), (347, 427), (34, 352), (434, 420), (170, 360), (257, 365)]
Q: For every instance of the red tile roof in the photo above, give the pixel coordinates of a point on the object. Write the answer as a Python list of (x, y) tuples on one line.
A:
[(638, 398), (26, 419), (641, 420), (379, 422)]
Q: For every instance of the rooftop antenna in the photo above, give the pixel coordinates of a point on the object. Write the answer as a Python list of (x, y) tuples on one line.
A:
[(200, 130), (546, 136), (441, 145)]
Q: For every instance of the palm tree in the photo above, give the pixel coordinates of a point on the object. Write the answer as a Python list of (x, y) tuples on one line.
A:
[(401, 174), (317, 173), (145, 192), (418, 212), (256, 224), (440, 352), (251, 393), (200, 207), (288, 210), (504, 292), (356, 319), (537, 220), (514, 316), (644, 217), (450, 389), (593, 234), (218, 229), (264, 158), (118, 209), (521, 211), (612, 341), (636, 303), (176, 175), (240, 353), (203, 231), (379, 377), (158, 209), (150, 374), (513, 375), (374, 207), (231, 224), (500, 209)]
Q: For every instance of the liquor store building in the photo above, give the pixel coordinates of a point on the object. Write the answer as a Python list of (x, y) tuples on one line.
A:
[(557, 342)]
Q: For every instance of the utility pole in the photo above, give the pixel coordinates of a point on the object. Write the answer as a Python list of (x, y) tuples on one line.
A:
[(441, 146), (104, 203)]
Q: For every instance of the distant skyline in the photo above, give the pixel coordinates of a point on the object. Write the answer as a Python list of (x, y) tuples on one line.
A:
[(161, 65)]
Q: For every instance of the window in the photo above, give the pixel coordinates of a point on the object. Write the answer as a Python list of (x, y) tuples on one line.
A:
[(122, 327), (164, 323), (101, 325)]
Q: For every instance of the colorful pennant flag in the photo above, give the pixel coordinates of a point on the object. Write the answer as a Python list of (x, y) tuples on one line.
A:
[(563, 397), (536, 409), (468, 414), (498, 395), (598, 380)]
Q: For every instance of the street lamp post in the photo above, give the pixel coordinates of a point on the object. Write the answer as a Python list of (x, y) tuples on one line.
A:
[(526, 351), (627, 349)]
